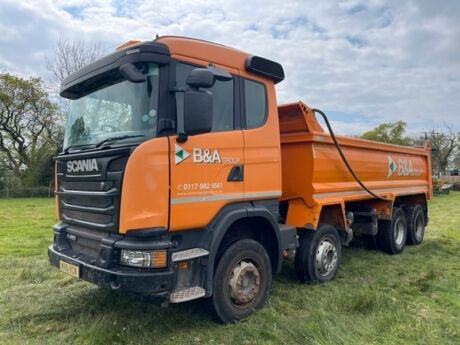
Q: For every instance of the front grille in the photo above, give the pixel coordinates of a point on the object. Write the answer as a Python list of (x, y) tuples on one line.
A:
[(92, 217), (92, 201), (85, 241), (88, 201)]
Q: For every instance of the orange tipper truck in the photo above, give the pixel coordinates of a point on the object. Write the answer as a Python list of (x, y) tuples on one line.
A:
[(182, 178)]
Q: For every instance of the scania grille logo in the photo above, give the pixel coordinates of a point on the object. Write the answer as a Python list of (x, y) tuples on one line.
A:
[(83, 165)]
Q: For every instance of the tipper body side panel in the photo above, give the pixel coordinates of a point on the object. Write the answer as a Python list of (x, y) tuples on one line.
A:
[(315, 175)]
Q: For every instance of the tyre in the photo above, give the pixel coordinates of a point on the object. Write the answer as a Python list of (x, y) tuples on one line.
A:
[(242, 280), (391, 236), (319, 254), (415, 216)]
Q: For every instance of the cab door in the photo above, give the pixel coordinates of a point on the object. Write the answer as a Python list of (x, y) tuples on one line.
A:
[(262, 152), (206, 169)]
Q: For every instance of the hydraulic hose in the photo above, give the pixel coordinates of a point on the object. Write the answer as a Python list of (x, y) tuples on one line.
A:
[(344, 159)]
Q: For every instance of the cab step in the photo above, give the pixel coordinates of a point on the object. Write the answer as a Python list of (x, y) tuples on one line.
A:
[(187, 294)]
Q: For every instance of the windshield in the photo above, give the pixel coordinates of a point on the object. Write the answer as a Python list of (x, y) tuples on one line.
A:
[(115, 113)]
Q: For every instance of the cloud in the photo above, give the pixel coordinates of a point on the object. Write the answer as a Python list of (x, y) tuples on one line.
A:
[(375, 60)]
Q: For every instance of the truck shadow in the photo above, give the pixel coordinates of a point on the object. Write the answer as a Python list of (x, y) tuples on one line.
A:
[(106, 309)]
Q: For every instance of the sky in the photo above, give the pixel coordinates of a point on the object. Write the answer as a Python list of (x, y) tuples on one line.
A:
[(363, 62)]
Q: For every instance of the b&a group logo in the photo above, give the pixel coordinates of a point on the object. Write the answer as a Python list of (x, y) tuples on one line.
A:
[(391, 166), (180, 154)]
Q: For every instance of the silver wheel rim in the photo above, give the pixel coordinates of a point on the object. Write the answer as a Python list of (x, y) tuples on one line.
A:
[(326, 257), (244, 282), (419, 225), (399, 232)]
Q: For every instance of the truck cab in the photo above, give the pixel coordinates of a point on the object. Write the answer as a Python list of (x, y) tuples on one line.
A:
[(171, 153)]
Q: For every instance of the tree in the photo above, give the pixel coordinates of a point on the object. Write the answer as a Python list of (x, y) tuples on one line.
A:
[(389, 132), (457, 153), (30, 127), (443, 146), (69, 57)]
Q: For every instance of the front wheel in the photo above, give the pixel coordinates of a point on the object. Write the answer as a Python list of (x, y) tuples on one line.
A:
[(242, 280), (319, 254)]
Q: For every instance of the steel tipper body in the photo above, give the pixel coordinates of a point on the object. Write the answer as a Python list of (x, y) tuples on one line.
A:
[(180, 177), (315, 176), (148, 201)]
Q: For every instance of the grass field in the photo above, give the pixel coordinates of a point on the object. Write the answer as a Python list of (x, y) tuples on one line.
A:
[(412, 298)]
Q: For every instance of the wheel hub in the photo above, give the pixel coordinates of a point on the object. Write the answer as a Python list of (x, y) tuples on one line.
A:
[(399, 232), (326, 257), (244, 282), (419, 227)]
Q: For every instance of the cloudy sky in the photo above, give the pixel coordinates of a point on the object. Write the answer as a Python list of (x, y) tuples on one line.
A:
[(364, 62)]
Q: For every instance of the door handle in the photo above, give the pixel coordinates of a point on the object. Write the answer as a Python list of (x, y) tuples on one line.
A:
[(236, 173)]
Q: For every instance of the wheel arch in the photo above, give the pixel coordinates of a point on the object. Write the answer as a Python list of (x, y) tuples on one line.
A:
[(333, 214), (412, 200), (241, 220)]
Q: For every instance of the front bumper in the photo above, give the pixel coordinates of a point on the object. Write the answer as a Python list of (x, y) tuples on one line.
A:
[(159, 283)]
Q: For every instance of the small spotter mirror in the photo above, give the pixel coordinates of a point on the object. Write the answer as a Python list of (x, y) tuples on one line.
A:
[(132, 73), (200, 77)]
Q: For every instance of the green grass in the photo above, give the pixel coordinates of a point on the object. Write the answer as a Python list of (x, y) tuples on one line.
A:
[(412, 298)]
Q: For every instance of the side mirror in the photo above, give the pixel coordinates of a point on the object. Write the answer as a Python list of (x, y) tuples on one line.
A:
[(132, 73), (198, 107), (198, 104)]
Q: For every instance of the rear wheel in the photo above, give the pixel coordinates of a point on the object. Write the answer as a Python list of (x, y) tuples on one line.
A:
[(391, 236), (415, 224), (319, 254), (242, 280)]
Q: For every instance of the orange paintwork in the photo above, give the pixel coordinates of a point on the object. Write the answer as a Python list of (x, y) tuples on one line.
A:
[(314, 174), (203, 180), (145, 191), (262, 153), (290, 157), (257, 149), (128, 43)]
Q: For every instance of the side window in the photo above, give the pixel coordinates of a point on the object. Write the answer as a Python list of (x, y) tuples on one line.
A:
[(255, 103), (222, 91)]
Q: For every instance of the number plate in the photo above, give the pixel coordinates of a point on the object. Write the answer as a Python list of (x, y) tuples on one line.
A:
[(73, 270)]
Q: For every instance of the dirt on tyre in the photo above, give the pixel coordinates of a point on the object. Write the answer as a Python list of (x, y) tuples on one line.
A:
[(242, 280), (416, 221), (319, 255), (391, 236)]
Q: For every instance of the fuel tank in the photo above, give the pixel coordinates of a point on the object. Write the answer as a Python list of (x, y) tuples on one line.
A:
[(314, 173)]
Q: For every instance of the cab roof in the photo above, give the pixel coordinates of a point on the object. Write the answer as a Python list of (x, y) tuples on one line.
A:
[(205, 50), (222, 55)]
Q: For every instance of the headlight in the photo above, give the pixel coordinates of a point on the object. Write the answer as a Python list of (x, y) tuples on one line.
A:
[(143, 258)]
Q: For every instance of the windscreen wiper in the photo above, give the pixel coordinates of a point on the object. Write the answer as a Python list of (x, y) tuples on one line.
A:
[(81, 147), (119, 138)]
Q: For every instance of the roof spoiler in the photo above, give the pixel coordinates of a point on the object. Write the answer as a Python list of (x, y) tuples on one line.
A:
[(265, 67)]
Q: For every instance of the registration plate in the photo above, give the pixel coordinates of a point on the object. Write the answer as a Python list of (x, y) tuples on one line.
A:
[(73, 270)]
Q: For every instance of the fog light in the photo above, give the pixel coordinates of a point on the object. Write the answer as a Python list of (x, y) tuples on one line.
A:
[(144, 259)]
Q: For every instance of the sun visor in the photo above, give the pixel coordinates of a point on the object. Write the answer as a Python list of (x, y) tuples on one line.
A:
[(105, 70)]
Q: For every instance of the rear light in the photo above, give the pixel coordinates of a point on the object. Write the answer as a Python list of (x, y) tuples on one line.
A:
[(144, 258)]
